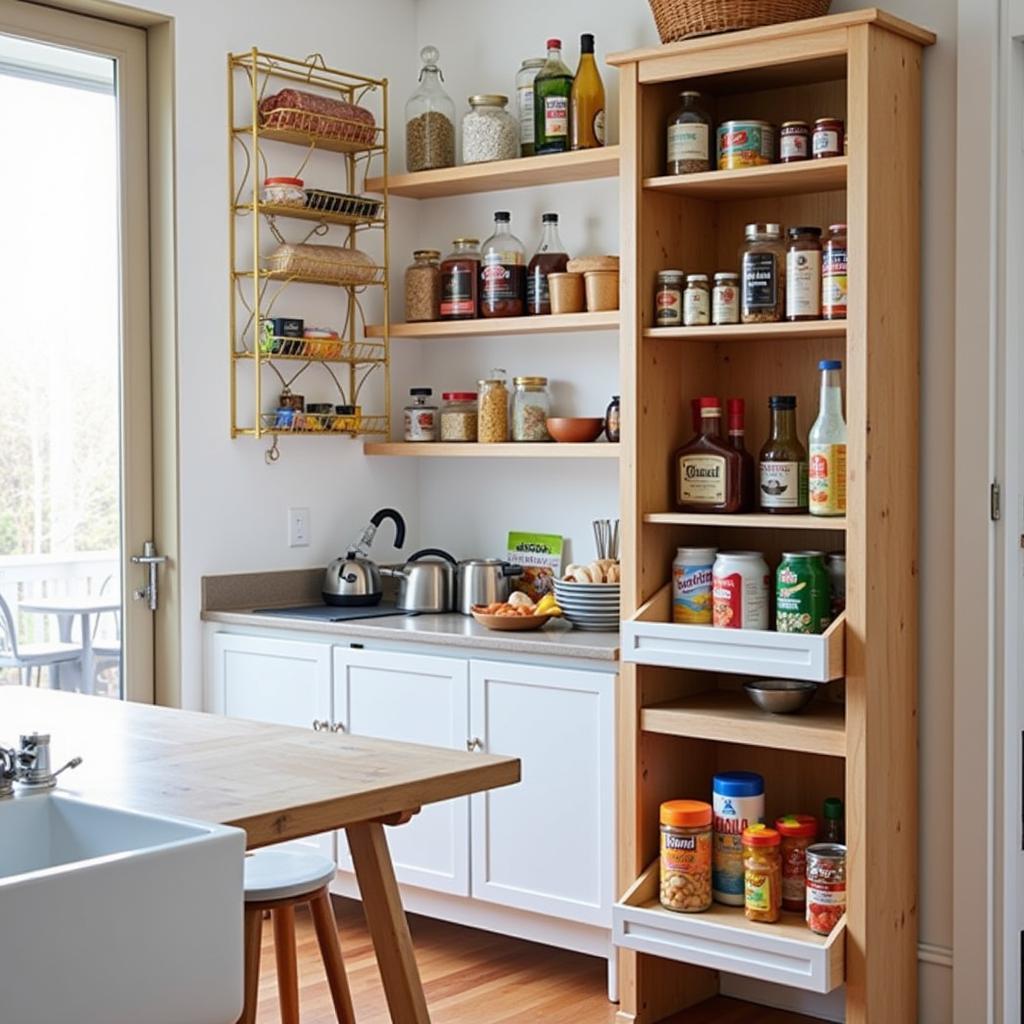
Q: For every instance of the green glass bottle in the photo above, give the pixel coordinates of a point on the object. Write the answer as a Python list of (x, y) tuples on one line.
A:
[(552, 92)]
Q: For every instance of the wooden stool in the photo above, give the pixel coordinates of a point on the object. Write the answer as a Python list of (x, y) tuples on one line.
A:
[(276, 881)]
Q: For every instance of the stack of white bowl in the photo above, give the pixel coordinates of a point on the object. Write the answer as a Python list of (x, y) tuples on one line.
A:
[(592, 606)]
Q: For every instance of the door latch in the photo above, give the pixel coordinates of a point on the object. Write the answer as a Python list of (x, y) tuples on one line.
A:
[(150, 559)]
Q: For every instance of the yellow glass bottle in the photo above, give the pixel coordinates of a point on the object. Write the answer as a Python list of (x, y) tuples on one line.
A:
[(587, 100)]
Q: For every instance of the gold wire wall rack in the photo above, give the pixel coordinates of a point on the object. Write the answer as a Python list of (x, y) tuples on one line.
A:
[(257, 281)]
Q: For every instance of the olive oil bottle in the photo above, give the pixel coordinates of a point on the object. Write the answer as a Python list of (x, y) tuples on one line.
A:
[(587, 112), (552, 97)]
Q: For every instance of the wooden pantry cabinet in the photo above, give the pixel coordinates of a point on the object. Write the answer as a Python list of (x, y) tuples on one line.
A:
[(681, 715)]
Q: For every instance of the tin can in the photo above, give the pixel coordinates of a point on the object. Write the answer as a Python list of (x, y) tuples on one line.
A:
[(737, 800), (794, 142), (691, 585), (745, 144), (740, 590), (802, 593), (828, 137), (826, 886)]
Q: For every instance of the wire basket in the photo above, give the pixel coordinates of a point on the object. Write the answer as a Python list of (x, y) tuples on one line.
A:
[(324, 350), (293, 110), (352, 421), (358, 207), (332, 264), (684, 19)]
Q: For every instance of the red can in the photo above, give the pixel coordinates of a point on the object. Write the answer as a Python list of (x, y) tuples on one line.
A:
[(826, 886)]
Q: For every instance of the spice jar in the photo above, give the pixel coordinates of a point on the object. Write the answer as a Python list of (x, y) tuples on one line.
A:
[(828, 138), (284, 192), (531, 406), (794, 142), (459, 416), (696, 301), (489, 131), (762, 274), (725, 299), (524, 102), (493, 419), (423, 286), (826, 886), (689, 136), (460, 273), (668, 299), (762, 874), (798, 831), (686, 855), (420, 418), (612, 420), (429, 119), (803, 274), (833, 274)]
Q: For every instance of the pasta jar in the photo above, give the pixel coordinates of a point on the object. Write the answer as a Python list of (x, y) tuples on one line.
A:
[(489, 131), (725, 299), (691, 585), (826, 886), (762, 274), (803, 274), (794, 142), (828, 137), (459, 416), (492, 426), (762, 874), (798, 832), (531, 406), (696, 301), (284, 192), (420, 418), (737, 800), (686, 855), (740, 589), (423, 286), (668, 299), (833, 274)]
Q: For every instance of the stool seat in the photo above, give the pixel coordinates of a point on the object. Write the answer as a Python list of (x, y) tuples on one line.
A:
[(274, 874)]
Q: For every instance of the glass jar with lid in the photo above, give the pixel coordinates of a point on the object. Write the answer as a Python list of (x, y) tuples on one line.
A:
[(531, 406), (489, 131), (284, 192), (429, 119), (460, 279), (685, 860), (524, 102), (459, 416), (423, 286), (668, 298), (803, 273), (762, 274), (420, 417), (696, 301), (492, 427), (689, 136)]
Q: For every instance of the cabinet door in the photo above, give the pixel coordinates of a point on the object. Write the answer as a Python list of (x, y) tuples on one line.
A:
[(546, 844), (284, 682), (418, 700)]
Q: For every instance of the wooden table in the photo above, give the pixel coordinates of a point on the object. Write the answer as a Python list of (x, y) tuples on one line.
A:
[(275, 782)]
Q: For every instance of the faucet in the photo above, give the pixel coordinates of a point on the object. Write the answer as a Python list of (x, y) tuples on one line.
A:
[(33, 763)]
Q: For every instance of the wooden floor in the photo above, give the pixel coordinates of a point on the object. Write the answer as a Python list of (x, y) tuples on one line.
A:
[(472, 977)]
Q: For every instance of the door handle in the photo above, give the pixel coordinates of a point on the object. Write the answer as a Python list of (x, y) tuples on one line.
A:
[(150, 559)]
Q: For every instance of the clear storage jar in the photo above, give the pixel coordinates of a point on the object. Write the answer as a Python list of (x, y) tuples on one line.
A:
[(423, 286), (531, 406), (429, 119), (493, 422), (459, 416), (284, 192), (489, 131)]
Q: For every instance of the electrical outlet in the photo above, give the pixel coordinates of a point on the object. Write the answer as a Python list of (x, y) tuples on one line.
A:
[(298, 527)]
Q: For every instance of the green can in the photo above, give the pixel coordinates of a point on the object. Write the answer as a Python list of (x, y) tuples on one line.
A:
[(802, 593)]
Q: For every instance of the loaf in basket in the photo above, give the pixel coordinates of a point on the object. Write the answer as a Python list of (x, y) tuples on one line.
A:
[(314, 114)]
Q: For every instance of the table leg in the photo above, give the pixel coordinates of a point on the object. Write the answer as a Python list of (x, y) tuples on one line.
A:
[(88, 661), (62, 677), (388, 926)]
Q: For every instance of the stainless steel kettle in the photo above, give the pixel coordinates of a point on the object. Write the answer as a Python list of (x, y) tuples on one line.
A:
[(484, 581), (355, 579), (426, 583)]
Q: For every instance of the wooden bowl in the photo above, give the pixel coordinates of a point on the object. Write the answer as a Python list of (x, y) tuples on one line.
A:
[(575, 429), (509, 623)]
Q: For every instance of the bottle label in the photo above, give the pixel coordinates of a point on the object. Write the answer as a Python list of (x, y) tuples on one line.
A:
[(687, 142), (725, 305), (793, 146), (556, 117), (739, 601), (668, 307), (457, 292), (702, 479), (526, 119), (757, 890), (500, 281), (537, 291), (695, 307), (691, 586), (732, 814), (803, 283), (825, 142), (833, 282), (783, 485), (760, 281), (599, 126), (420, 424), (826, 479)]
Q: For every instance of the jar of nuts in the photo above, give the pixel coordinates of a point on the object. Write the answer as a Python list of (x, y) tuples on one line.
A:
[(493, 418), (531, 406), (423, 286), (686, 855)]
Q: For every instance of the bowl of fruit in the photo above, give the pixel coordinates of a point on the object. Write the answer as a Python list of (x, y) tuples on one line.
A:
[(517, 613)]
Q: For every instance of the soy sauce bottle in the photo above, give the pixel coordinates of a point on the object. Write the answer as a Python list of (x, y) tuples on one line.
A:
[(552, 92)]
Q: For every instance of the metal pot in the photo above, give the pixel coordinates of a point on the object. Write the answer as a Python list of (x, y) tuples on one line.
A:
[(425, 586), (484, 581), (355, 578)]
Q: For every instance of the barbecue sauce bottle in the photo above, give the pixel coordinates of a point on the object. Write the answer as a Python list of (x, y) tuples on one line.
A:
[(708, 471)]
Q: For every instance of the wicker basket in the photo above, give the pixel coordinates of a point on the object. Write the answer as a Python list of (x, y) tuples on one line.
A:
[(332, 264), (683, 19)]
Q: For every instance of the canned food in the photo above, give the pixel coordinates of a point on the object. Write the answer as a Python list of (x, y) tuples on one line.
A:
[(802, 593), (691, 585), (745, 144), (740, 590), (826, 886), (737, 801)]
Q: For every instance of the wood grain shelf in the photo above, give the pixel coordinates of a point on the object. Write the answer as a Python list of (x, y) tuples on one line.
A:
[(472, 450), (559, 323), (730, 717), (752, 332), (500, 175), (747, 520), (807, 176)]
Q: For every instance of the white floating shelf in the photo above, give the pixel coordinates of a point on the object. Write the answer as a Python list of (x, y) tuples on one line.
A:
[(787, 953), (651, 638)]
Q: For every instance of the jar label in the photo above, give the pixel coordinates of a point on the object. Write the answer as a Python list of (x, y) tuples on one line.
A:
[(691, 586), (833, 282), (702, 479), (826, 479), (793, 146), (825, 142), (526, 118), (689, 855), (731, 815), (668, 307), (457, 298), (803, 283), (783, 485), (757, 890), (725, 304), (556, 116), (419, 424), (695, 307), (794, 867), (687, 142), (760, 281)]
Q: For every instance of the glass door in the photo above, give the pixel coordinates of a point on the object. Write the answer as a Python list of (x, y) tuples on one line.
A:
[(75, 422)]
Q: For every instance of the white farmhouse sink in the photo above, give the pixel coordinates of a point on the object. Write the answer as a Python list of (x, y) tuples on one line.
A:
[(112, 917)]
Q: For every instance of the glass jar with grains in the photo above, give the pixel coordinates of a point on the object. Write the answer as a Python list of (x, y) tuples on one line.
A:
[(685, 855), (762, 874), (531, 406), (492, 427), (458, 416), (423, 286), (762, 274), (429, 119), (689, 136), (489, 131)]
